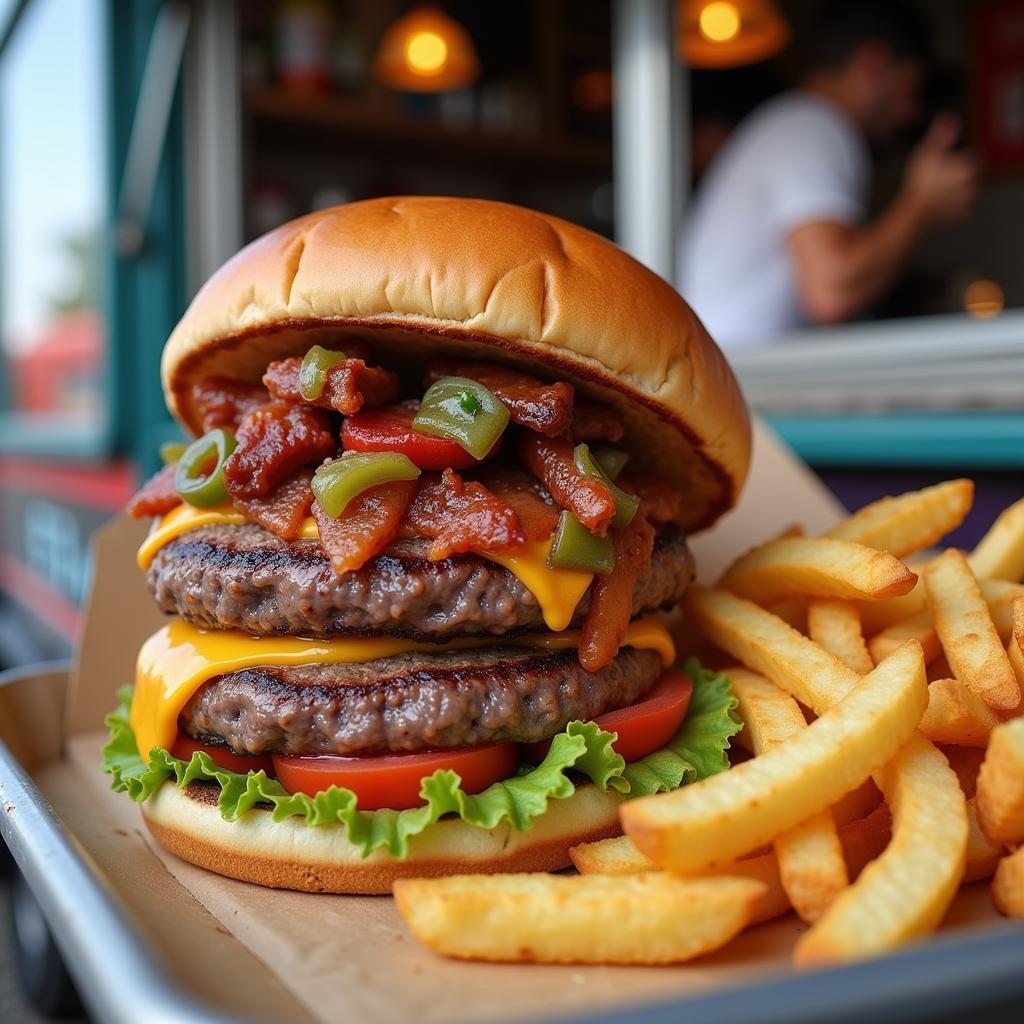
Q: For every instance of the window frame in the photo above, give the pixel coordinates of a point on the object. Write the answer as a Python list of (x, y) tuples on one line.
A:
[(143, 295)]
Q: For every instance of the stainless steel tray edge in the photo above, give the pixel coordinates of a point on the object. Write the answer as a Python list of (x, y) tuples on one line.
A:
[(117, 975)]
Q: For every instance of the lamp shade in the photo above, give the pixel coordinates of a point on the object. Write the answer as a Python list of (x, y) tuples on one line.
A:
[(426, 51), (729, 33)]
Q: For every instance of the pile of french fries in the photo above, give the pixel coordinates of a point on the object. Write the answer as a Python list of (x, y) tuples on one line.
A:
[(884, 767)]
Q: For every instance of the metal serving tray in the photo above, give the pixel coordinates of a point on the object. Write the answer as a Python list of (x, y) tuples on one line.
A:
[(142, 950)]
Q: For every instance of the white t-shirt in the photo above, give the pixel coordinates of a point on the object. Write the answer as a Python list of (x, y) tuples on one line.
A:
[(795, 160)]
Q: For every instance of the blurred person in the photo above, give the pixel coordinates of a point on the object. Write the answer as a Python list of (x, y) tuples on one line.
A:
[(776, 237)]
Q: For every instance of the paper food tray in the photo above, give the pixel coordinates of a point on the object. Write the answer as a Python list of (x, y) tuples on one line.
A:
[(149, 937)]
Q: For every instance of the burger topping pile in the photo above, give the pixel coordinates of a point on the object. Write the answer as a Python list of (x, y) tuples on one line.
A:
[(487, 459)]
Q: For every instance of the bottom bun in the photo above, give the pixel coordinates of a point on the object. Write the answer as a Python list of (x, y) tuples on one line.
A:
[(291, 855)]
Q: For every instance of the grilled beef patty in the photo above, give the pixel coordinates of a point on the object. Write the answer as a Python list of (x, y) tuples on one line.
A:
[(243, 577), (413, 702)]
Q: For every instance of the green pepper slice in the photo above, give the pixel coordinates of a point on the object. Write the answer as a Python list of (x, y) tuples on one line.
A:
[(313, 371), (194, 482), (337, 482), (575, 547), (625, 504), (611, 460), (171, 451), (463, 411)]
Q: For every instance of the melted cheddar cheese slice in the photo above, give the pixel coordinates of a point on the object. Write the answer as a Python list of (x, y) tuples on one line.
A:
[(558, 591), (179, 658)]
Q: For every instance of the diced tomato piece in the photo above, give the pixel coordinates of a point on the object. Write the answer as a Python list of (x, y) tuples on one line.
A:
[(395, 780), (389, 429), (224, 757), (642, 728)]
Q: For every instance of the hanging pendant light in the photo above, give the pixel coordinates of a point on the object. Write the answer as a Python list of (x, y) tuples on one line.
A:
[(426, 51), (729, 33)]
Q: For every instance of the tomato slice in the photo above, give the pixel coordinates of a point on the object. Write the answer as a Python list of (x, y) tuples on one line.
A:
[(389, 429), (642, 728), (394, 780), (224, 757)]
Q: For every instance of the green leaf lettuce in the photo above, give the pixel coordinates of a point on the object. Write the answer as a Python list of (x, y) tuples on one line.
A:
[(697, 750)]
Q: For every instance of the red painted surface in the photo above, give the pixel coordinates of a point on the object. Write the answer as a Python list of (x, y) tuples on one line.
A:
[(106, 485), (35, 594)]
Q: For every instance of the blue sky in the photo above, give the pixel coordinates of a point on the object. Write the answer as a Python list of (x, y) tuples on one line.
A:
[(52, 139)]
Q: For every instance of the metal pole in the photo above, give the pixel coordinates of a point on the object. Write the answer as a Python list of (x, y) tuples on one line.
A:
[(213, 139), (650, 122)]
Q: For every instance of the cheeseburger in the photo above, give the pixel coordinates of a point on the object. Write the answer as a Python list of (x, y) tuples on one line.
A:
[(446, 456)]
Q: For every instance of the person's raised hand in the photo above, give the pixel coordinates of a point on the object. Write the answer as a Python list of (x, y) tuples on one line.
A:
[(940, 184)]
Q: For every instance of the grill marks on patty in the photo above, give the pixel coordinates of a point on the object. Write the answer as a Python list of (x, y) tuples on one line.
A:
[(413, 702), (242, 577)]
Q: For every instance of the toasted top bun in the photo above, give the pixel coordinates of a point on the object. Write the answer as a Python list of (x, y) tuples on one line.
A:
[(422, 276)]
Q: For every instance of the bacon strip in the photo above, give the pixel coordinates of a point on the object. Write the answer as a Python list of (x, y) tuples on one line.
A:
[(459, 515), (611, 597), (223, 401), (348, 386), (537, 513), (157, 495), (274, 442), (532, 403), (366, 527), (283, 512), (660, 502), (593, 422), (586, 497)]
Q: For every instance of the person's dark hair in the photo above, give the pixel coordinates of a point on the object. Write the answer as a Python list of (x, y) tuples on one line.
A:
[(841, 27)]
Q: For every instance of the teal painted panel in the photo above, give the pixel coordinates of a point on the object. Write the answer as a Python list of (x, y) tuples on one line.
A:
[(982, 440)]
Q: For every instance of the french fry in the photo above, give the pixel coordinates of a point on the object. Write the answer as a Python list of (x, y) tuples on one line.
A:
[(956, 715), (921, 788), (1000, 794), (862, 841), (939, 669), (615, 856), (982, 854), (966, 762), (651, 918), (722, 817), (967, 633), (765, 643), (999, 596), (877, 615), (619, 856), (1000, 553), (835, 626), (1008, 885), (811, 865), (792, 610), (865, 839), (918, 627), (810, 859), (1015, 644), (909, 522), (857, 804), (907, 889), (817, 567)]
